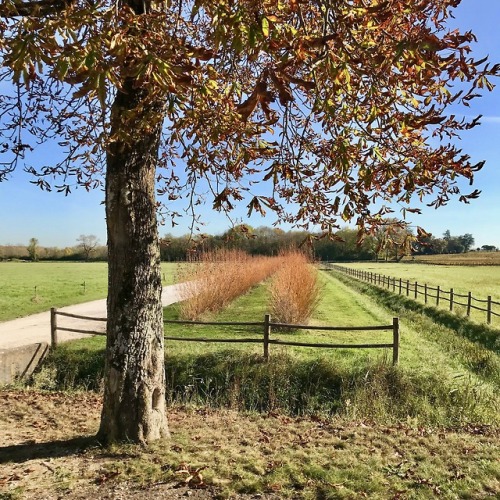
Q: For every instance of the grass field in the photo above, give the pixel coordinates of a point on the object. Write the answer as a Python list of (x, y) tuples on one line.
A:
[(311, 424), (27, 288), (239, 456), (480, 281), (437, 365)]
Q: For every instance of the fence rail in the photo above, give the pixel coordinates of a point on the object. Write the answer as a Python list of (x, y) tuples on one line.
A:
[(265, 340), (416, 290)]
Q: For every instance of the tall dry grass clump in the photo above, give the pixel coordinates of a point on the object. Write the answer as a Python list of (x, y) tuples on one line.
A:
[(211, 280), (295, 289)]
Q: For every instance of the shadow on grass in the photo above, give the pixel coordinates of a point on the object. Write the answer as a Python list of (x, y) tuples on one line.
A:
[(51, 449), (484, 335)]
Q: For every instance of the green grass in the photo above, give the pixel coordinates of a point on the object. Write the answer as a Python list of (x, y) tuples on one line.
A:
[(310, 424), (442, 379), (464, 343), (481, 281), (27, 288)]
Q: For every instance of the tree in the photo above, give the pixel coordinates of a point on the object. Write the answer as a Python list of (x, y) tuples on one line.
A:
[(467, 241), (393, 240), (33, 249), (454, 245), (88, 244), (332, 104)]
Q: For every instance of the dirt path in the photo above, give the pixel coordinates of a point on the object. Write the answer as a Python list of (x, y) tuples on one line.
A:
[(36, 328)]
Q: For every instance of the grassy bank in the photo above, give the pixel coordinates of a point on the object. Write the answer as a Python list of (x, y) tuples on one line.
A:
[(475, 347)]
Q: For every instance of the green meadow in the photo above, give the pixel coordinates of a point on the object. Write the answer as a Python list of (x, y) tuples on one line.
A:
[(481, 281), (32, 287)]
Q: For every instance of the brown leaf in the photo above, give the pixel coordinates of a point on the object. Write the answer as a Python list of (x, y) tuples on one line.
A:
[(246, 108), (260, 95), (106, 476), (302, 83), (284, 92)]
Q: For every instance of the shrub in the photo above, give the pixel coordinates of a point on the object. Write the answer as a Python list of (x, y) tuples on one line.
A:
[(294, 290), (212, 280)]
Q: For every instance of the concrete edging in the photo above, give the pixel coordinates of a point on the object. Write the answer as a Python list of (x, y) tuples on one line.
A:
[(20, 362)]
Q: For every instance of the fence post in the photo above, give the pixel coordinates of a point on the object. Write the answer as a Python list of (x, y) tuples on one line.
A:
[(416, 290), (267, 331), (53, 327), (488, 312), (425, 292), (437, 295), (400, 286), (451, 299), (393, 285), (395, 341), (469, 302), (407, 288)]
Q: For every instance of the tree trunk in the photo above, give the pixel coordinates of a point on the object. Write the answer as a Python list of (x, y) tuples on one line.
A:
[(134, 381)]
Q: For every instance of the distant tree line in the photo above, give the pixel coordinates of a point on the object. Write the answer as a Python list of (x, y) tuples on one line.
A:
[(271, 241), (87, 249), (388, 243), (429, 245)]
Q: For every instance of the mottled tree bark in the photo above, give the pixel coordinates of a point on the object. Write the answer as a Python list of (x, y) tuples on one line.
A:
[(134, 384)]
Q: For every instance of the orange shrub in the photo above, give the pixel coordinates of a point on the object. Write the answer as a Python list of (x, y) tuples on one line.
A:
[(213, 279), (294, 290)]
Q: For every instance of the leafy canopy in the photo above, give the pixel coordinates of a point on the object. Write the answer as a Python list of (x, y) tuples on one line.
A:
[(339, 107)]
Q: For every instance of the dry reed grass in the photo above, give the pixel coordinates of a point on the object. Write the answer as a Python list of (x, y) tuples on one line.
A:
[(294, 290), (213, 279)]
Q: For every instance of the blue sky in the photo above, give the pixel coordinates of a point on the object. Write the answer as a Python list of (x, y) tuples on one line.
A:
[(58, 220)]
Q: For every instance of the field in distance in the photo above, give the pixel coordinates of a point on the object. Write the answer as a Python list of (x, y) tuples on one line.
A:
[(458, 259), (481, 281), (31, 287)]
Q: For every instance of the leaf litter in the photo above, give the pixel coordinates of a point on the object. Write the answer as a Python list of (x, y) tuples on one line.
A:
[(48, 450)]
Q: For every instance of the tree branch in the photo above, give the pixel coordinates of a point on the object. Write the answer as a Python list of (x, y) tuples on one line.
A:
[(35, 8)]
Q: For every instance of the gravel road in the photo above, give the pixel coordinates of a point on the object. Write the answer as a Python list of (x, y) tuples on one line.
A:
[(36, 328)]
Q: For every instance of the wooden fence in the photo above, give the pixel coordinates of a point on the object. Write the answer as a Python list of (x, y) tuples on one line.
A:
[(425, 291), (54, 327), (265, 340)]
